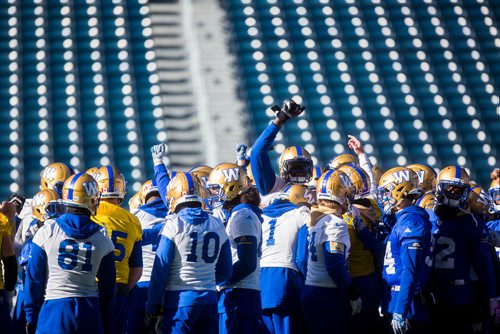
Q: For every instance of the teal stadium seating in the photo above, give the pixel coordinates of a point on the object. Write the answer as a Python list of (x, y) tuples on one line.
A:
[(417, 81), (79, 79)]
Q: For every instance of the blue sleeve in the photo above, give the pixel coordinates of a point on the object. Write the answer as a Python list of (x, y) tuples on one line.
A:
[(336, 266), (247, 258), (374, 246), (36, 274), (260, 163), (135, 259), (224, 266), (302, 252), (482, 262), (159, 276), (106, 276), (162, 179), (151, 235), (413, 264)]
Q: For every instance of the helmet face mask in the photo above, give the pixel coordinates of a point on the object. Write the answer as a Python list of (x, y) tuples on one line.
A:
[(226, 182), (296, 165), (54, 209), (396, 185), (453, 188)]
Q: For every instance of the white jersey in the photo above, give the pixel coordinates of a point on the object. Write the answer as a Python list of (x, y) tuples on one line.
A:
[(26, 217), (72, 263), (329, 228), (279, 185), (197, 249), (279, 246), (244, 222), (148, 221)]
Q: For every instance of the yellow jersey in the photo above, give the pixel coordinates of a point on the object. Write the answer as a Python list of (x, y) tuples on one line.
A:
[(125, 231), (5, 229), (360, 259)]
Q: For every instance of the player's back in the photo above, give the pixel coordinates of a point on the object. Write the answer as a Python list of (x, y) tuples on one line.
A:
[(456, 241), (124, 230), (198, 243), (279, 233), (360, 259), (74, 246)]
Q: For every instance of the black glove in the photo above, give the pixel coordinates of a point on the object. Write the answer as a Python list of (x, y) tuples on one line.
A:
[(30, 328), (18, 201), (151, 322), (289, 110)]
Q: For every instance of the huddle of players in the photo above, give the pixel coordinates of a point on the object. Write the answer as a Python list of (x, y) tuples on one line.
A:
[(238, 249)]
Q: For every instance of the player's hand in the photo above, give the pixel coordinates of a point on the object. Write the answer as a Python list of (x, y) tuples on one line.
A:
[(241, 152), (289, 110), (494, 306), (399, 324), (356, 306), (355, 145), (150, 321), (158, 152), (30, 328)]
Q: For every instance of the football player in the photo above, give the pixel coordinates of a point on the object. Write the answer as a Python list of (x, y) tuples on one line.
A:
[(8, 275), (52, 177), (280, 279), (240, 309), (461, 243), (494, 211), (67, 256), (366, 253), (325, 295), (408, 246), (295, 163), (151, 213), (46, 205), (193, 255), (162, 177), (126, 233)]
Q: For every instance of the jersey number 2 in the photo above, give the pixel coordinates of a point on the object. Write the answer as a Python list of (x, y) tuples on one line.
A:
[(68, 254), (204, 251)]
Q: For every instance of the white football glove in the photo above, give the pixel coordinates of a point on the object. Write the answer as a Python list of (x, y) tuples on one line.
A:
[(158, 152), (399, 324)]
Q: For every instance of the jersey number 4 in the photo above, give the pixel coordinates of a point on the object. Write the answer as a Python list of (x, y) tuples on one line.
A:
[(192, 257), (69, 251)]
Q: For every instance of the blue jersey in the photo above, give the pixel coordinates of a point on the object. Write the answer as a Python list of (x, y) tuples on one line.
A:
[(494, 228), (407, 260), (260, 163), (461, 244)]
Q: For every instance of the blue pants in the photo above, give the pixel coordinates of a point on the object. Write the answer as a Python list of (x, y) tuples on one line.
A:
[(136, 311), (240, 311), (119, 312), (191, 319), (326, 309), (278, 322), (370, 291), (5, 321), (70, 315), (19, 317)]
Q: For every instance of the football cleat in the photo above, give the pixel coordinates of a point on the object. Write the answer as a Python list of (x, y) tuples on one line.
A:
[(81, 191), (452, 187), (426, 177), (296, 165), (111, 182), (395, 185), (335, 185), (54, 175)]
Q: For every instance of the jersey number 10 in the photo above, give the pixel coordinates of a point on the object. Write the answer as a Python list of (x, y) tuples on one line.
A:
[(192, 257)]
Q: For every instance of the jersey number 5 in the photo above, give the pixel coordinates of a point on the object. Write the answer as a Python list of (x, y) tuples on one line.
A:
[(68, 254), (119, 247)]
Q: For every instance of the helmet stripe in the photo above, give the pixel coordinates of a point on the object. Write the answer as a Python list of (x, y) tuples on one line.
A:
[(458, 171), (190, 183), (71, 185), (325, 181), (360, 172), (111, 181), (318, 171), (299, 151)]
